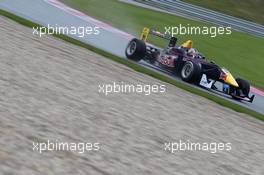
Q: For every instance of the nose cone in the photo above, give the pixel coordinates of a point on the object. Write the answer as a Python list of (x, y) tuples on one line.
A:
[(230, 80)]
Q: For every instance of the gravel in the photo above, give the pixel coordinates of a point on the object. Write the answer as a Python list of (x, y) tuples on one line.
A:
[(49, 91)]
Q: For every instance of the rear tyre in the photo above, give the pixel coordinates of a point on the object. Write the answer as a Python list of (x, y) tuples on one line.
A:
[(136, 49), (191, 72)]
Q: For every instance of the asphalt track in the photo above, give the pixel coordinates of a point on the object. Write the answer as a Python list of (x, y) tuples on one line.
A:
[(53, 12), (198, 13)]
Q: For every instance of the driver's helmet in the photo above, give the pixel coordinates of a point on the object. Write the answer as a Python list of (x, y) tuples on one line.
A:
[(188, 44)]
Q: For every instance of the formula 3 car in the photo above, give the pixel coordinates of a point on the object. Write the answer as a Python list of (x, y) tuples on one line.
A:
[(189, 64)]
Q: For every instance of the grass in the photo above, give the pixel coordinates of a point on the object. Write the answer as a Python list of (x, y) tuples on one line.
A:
[(241, 53), (141, 69), (251, 10)]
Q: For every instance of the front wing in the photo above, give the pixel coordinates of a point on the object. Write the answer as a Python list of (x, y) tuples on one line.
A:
[(223, 88)]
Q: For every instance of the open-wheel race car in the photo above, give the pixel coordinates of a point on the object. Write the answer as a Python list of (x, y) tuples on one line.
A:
[(188, 63)]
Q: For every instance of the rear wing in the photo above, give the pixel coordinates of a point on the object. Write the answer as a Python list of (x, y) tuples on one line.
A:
[(146, 32)]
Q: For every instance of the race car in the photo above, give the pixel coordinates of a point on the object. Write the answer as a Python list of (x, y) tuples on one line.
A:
[(188, 63)]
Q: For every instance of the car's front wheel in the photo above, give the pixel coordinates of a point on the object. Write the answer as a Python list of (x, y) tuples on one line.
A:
[(243, 88), (136, 49)]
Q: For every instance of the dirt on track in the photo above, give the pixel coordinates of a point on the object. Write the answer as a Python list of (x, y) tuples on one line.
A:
[(49, 91)]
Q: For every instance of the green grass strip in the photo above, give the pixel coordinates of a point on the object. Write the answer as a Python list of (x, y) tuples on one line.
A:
[(139, 68), (251, 10)]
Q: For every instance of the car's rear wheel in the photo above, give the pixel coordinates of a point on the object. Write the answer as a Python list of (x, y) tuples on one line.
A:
[(190, 72), (136, 49)]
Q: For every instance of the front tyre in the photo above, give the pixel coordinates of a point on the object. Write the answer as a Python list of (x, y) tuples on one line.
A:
[(243, 89), (136, 49), (190, 72)]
